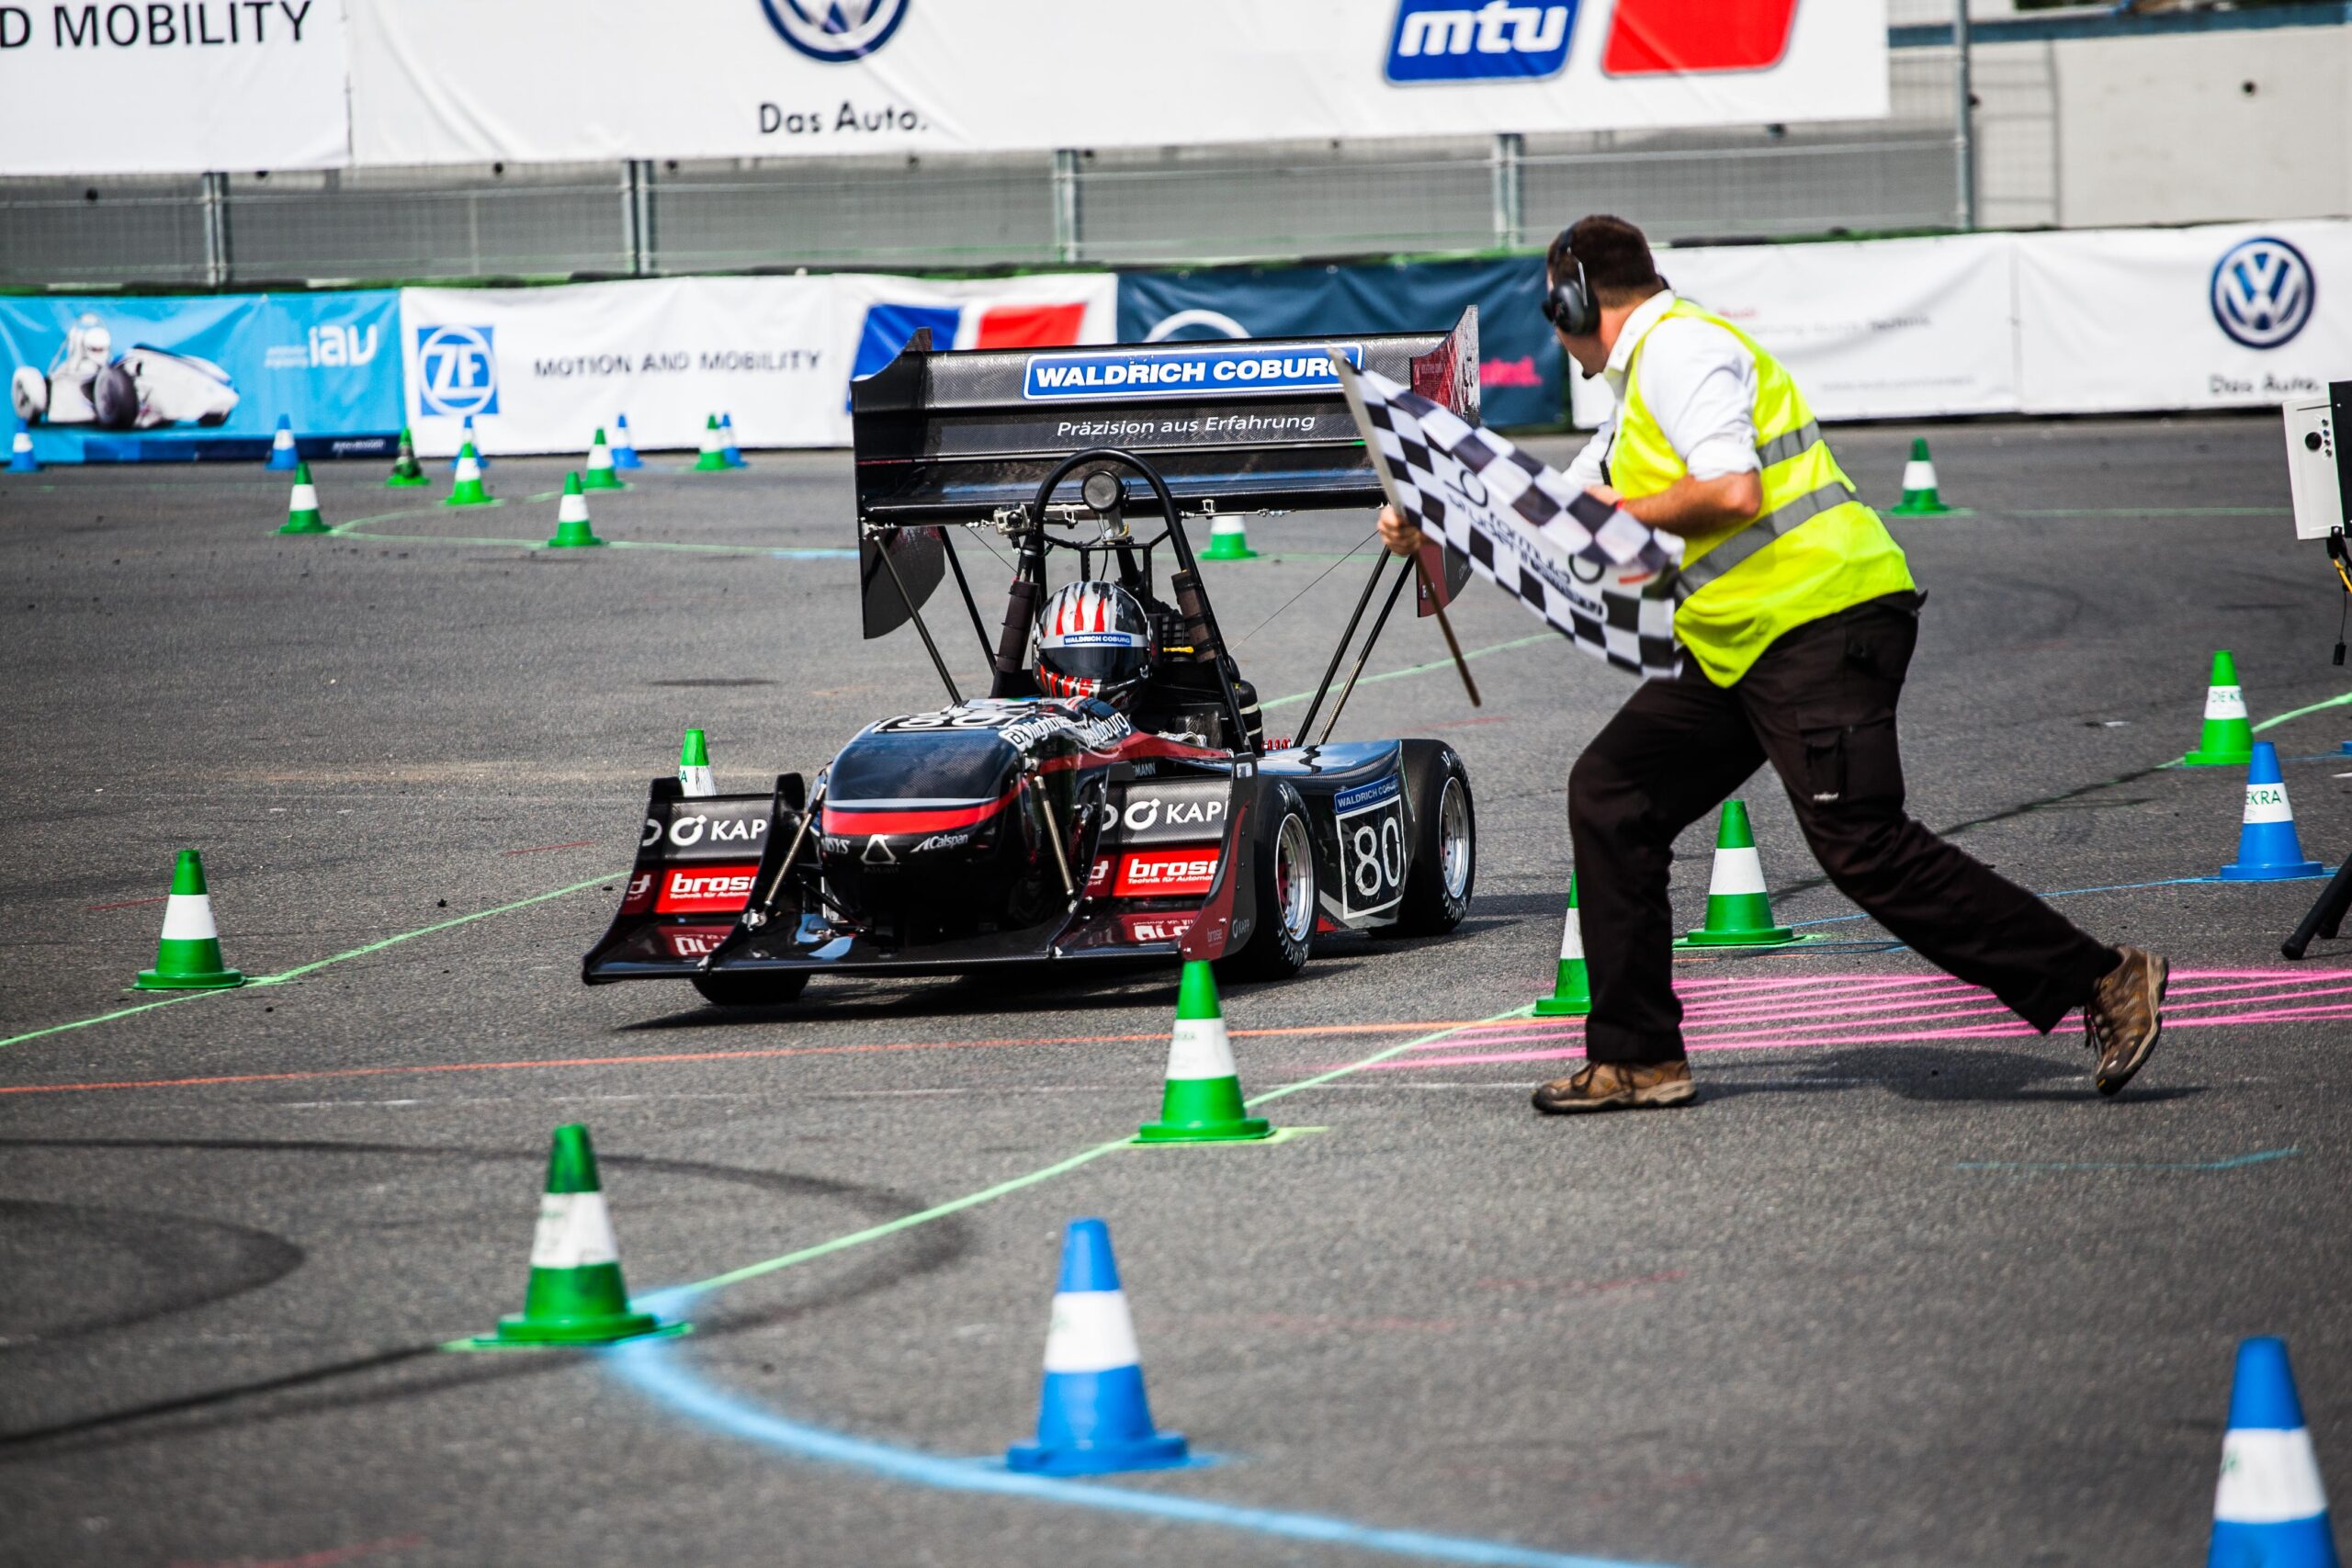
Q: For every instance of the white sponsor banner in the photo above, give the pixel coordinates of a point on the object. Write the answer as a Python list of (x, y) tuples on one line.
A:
[(541, 369), (1875, 329), (443, 81), (176, 86), (2225, 316)]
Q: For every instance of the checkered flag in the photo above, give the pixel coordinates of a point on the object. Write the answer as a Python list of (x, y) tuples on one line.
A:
[(1596, 575)]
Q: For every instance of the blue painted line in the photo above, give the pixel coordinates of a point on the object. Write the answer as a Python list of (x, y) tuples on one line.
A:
[(2234, 1163), (2060, 893), (654, 1367)]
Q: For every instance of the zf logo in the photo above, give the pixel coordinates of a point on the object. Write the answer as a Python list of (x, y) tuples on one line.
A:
[(2263, 290), (456, 370), (1441, 40), (835, 30)]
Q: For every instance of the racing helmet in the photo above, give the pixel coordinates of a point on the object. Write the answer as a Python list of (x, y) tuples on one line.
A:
[(1093, 640)]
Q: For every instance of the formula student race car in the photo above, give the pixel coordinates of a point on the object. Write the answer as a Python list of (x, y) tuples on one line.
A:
[(1113, 795)]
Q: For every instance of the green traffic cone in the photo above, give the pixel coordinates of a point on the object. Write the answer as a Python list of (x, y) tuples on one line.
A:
[(600, 474), (1228, 540), (2227, 740), (572, 529), (302, 507), (695, 778), (713, 458), (575, 1296), (1201, 1103), (466, 487), (188, 956), (1740, 912), (407, 472), (1919, 497), (1572, 991)]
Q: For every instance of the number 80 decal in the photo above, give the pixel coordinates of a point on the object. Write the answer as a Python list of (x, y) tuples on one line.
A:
[(1371, 846)]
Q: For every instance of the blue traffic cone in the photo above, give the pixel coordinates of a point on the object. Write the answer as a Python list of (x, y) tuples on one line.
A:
[(727, 447), (283, 457), (1093, 1418), (22, 461), (2267, 848), (469, 439), (624, 447), (2269, 1509)]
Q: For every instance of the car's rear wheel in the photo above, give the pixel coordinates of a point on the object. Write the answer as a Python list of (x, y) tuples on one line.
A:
[(1445, 842), (1285, 934), (752, 988)]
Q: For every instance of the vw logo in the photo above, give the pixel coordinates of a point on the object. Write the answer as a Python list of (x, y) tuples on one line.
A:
[(2262, 292), (835, 30)]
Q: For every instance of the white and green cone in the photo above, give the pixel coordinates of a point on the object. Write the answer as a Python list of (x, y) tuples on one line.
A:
[(696, 780), (188, 956), (1202, 1102)]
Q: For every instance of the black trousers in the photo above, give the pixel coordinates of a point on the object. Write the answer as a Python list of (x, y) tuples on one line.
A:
[(1819, 704)]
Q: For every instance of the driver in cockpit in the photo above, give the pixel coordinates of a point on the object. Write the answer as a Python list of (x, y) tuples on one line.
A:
[(1096, 639)]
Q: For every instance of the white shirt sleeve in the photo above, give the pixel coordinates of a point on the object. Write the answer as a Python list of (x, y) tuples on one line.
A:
[(1591, 466), (1700, 383)]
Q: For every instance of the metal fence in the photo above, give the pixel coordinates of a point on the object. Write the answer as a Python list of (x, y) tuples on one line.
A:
[(1129, 207)]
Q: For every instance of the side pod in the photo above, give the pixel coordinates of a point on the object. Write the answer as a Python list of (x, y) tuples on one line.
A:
[(697, 861)]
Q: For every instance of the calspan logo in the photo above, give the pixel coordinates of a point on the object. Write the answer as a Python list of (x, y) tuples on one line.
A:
[(1441, 40), (835, 30), (2263, 290), (456, 370)]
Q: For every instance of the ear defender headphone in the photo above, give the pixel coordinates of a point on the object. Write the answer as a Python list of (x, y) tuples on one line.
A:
[(1568, 305)]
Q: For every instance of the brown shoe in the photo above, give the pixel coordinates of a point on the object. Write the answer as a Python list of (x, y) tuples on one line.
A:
[(1618, 1086), (2125, 1015)]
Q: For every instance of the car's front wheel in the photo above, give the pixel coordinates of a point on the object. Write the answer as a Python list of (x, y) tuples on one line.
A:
[(1285, 934), (1445, 842)]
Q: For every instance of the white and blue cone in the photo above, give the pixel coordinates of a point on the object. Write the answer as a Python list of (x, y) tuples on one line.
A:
[(2269, 1509), (624, 445), (284, 458), (1092, 1417), (481, 460), (726, 447)]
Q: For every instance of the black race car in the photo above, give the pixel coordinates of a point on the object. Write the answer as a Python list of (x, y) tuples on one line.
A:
[(1022, 827)]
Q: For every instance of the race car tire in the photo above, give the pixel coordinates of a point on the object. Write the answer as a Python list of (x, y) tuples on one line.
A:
[(1285, 934), (753, 988), (1445, 842)]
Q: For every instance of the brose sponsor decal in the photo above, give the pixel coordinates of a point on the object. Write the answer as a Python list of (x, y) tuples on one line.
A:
[(1157, 872), (696, 890)]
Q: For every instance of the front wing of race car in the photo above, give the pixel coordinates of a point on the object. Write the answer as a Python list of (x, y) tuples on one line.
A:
[(1165, 860)]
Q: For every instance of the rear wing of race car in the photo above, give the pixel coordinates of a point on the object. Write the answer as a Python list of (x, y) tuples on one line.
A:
[(1248, 424), (1232, 424)]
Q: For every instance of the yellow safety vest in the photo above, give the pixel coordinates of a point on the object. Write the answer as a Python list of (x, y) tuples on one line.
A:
[(1812, 550)]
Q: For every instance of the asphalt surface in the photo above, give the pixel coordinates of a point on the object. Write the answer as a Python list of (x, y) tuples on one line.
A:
[(1900, 1289)]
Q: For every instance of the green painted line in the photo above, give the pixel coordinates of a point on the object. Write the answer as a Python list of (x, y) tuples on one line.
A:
[(1424, 668), (300, 969), (2334, 702), (1046, 1173)]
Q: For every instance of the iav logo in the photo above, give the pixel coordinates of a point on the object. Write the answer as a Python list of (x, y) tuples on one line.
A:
[(342, 346), (1436, 41), (456, 370), (2262, 292), (835, 30)]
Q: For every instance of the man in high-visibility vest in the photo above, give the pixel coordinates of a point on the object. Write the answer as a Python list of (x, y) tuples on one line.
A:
[(1797, 616)]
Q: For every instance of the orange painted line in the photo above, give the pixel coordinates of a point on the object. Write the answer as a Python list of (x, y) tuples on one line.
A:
[(680, 1057), (128, 903)]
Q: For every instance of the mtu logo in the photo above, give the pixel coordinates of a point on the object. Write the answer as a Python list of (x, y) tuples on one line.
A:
[(1183, 372), (2263, 290), (1436, 41), (456, 371)]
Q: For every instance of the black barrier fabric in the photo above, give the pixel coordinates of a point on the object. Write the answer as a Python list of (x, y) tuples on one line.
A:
[(1519, 367)]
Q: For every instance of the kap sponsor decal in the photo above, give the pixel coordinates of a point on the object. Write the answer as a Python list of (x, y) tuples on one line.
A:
[(704, 889), (457, 369), (2262, 292), (1183, 372), (1153, 874), (1439, 40), (711, 833), (1173, 813)]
